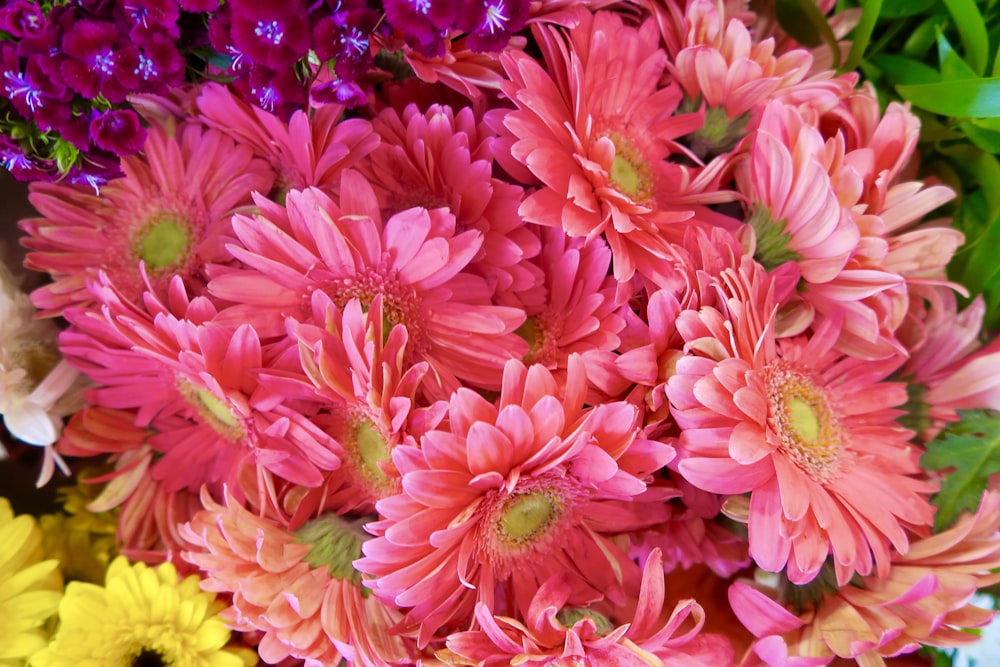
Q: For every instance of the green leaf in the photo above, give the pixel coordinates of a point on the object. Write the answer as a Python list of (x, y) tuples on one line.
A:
[(985, 138), (977, 98), (806, 24), (898, 9), (953, 68), (905, 71), (972, 29), (972, 447), (863, 33)]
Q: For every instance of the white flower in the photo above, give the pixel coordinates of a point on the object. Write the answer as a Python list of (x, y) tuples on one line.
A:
[(986, 651), (37, 387)]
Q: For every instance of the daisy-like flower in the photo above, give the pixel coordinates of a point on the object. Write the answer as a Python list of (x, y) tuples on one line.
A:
[(311, 149), (170, 212), (298, 588), (444, 158), (37, 387), (30, 588), (512, 494), (924, 598), (554, 633), (416, 260), (353, 365), (809, 433), (142, 615), (196, 382), (594, 127)]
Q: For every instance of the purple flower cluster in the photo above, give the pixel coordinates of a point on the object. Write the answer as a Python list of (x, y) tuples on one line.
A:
[(426, 24), (269, 43), (66, 71)]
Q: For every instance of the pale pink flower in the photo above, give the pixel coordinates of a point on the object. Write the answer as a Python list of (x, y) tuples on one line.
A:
[(195, 382), (296, 587), (594, 127), (554, 633), (924, 598), (310, 149), (169, 212), (416, 260), (515, 492), (810, 434), (442, 158)]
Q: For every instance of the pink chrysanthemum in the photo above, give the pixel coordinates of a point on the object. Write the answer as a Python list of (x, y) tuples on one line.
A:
[(922, 599), (311, 149), (553, 633), (416, 260), (353, 366), (441, 158), (594, 127), (808, 433), (196, 383), (298, 588), (170, 212), (514, 493)]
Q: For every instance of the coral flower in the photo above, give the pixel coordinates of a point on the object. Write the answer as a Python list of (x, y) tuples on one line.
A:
[(810, 434), (170, 212), (444, 158), (553, 633), (416, 260), (924, 598), (311, 149), (595, 129), (298, 588), (141, 616), (514, 493)]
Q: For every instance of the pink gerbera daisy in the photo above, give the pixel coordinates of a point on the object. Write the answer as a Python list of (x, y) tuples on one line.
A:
[(554, 633), (353, 366), (298, 588), (515, 492), (810, 434), (170, 212), (441, 158), (311, 149), (594, 127), (196, 382), (923, 599), (416, 260)]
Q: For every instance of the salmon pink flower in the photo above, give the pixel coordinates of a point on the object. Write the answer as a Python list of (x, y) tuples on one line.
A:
[(298, 588), (416, 260), (555, 633), (808, 433), (923, 599), (512, 494), (170, 212), (594, 127)]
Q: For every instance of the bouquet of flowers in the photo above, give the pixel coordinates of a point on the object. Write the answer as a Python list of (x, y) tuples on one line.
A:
[(494, 332)]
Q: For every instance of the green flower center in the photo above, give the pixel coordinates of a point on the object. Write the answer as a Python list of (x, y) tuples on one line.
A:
[(806, 423), (527, 515), (37, 359), (570, 616), (163, 242), (372, 450), (772, 240), (630, 173), (718, 135), (335, 543), (213, 410)]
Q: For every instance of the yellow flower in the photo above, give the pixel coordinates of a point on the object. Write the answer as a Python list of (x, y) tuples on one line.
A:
[(30, 588), (82, 541), (142, 616)]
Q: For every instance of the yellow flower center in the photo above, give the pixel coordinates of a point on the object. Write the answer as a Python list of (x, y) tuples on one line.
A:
[(163, 242), (147, 657), (630, 173), (806, 423), (37, 359), (527, 515), (213, 411)]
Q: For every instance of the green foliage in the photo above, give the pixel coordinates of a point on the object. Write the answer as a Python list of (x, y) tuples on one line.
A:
[(943, 58), (970, 451)]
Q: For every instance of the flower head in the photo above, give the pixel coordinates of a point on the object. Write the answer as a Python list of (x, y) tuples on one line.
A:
[(141, 613)]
